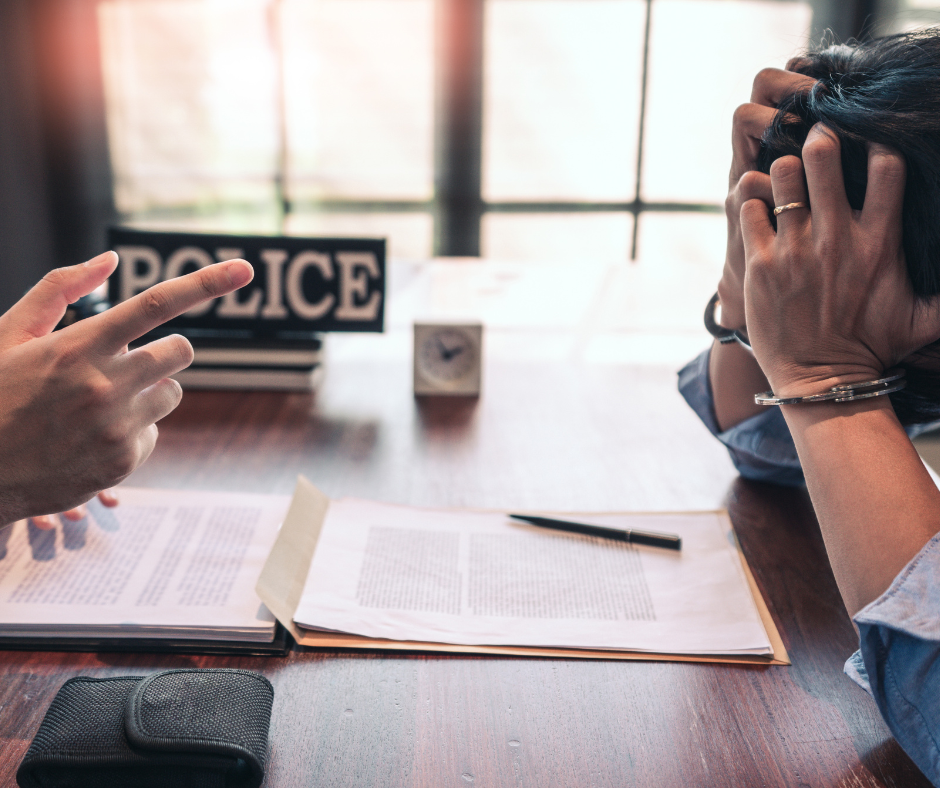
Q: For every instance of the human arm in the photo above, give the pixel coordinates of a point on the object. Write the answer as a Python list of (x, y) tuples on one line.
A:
[(760, 446), (829, 302), (720, 384), (77, 410), (877, 506)]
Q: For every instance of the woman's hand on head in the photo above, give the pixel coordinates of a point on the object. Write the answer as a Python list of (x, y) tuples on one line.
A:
[(828, 297), (745, 182)]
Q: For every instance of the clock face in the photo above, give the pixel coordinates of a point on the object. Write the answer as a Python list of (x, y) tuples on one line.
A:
[(447, 355)]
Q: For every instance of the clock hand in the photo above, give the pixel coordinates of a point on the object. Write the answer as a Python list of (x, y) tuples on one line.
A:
[(448, 353)]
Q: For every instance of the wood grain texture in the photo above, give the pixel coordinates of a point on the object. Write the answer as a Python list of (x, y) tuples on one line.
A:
[(542, 436)]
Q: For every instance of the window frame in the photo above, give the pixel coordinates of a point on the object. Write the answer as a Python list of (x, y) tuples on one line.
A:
[(457, 206)]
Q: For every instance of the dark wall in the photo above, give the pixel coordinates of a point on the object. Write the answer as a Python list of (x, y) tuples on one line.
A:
[(55, 178), (26, 244), (845, 19)]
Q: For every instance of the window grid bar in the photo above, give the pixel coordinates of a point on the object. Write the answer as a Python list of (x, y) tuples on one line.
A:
[(515, 206), (639, 142), (281, 179), (430, 206)]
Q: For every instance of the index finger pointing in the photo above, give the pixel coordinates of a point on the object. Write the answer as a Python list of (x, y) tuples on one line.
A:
[(133, 318)]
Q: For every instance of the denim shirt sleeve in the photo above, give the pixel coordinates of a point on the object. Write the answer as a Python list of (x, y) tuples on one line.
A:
[(899, 658), (760, 447)]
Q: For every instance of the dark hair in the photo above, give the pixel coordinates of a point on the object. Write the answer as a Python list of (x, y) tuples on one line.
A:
[(888, 91)]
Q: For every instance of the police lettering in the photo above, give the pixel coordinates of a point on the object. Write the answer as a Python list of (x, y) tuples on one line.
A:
[(349, 282)]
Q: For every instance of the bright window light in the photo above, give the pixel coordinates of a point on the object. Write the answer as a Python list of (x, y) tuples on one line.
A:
[(558, 237), (408, 234), (696, 79), (359, 78), (561, 98), (191, 102), (318, 117)]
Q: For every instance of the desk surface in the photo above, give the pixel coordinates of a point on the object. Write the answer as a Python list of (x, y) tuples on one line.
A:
[(548, 433)]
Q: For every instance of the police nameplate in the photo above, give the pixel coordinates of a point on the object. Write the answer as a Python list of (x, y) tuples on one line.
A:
[(300, 285)]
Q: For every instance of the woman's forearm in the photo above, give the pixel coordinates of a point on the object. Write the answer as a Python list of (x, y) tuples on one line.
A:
[(735, 378), (877, 505)]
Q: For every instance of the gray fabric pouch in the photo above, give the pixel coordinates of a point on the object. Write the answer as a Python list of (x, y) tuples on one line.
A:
[(176, 729)]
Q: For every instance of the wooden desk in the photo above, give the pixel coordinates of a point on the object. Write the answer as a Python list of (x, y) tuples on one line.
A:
[(544, 434)]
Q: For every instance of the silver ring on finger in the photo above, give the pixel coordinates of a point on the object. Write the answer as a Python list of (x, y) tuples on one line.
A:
[(789, 207)]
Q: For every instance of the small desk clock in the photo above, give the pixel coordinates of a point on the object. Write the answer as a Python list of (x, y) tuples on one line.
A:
[(447, 358)]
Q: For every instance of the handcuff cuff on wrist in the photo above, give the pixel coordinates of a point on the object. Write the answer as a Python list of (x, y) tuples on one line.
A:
[(721, 334), (892, 381)]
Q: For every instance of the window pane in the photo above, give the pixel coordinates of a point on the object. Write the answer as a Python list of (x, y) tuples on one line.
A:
[(557, 237), (190, 96), (679, 263), (263, 220), (360, 97), (697, 80), (561, 98), (409, 234)]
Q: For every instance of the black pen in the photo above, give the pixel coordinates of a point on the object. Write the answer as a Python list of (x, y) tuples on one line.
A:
[(670, 541)]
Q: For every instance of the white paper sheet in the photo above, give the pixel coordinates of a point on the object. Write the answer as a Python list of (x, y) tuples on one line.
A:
[(479, 578), (161, 564)]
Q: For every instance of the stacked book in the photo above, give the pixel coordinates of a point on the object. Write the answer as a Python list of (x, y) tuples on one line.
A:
[(287, 361)]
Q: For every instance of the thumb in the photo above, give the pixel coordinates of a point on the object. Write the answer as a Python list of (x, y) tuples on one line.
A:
[(38, 312)]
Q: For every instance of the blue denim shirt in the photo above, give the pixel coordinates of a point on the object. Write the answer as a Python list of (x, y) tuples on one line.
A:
[(898, 661)]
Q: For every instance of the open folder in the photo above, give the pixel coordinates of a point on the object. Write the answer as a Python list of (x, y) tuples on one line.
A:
[(355, 574)]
